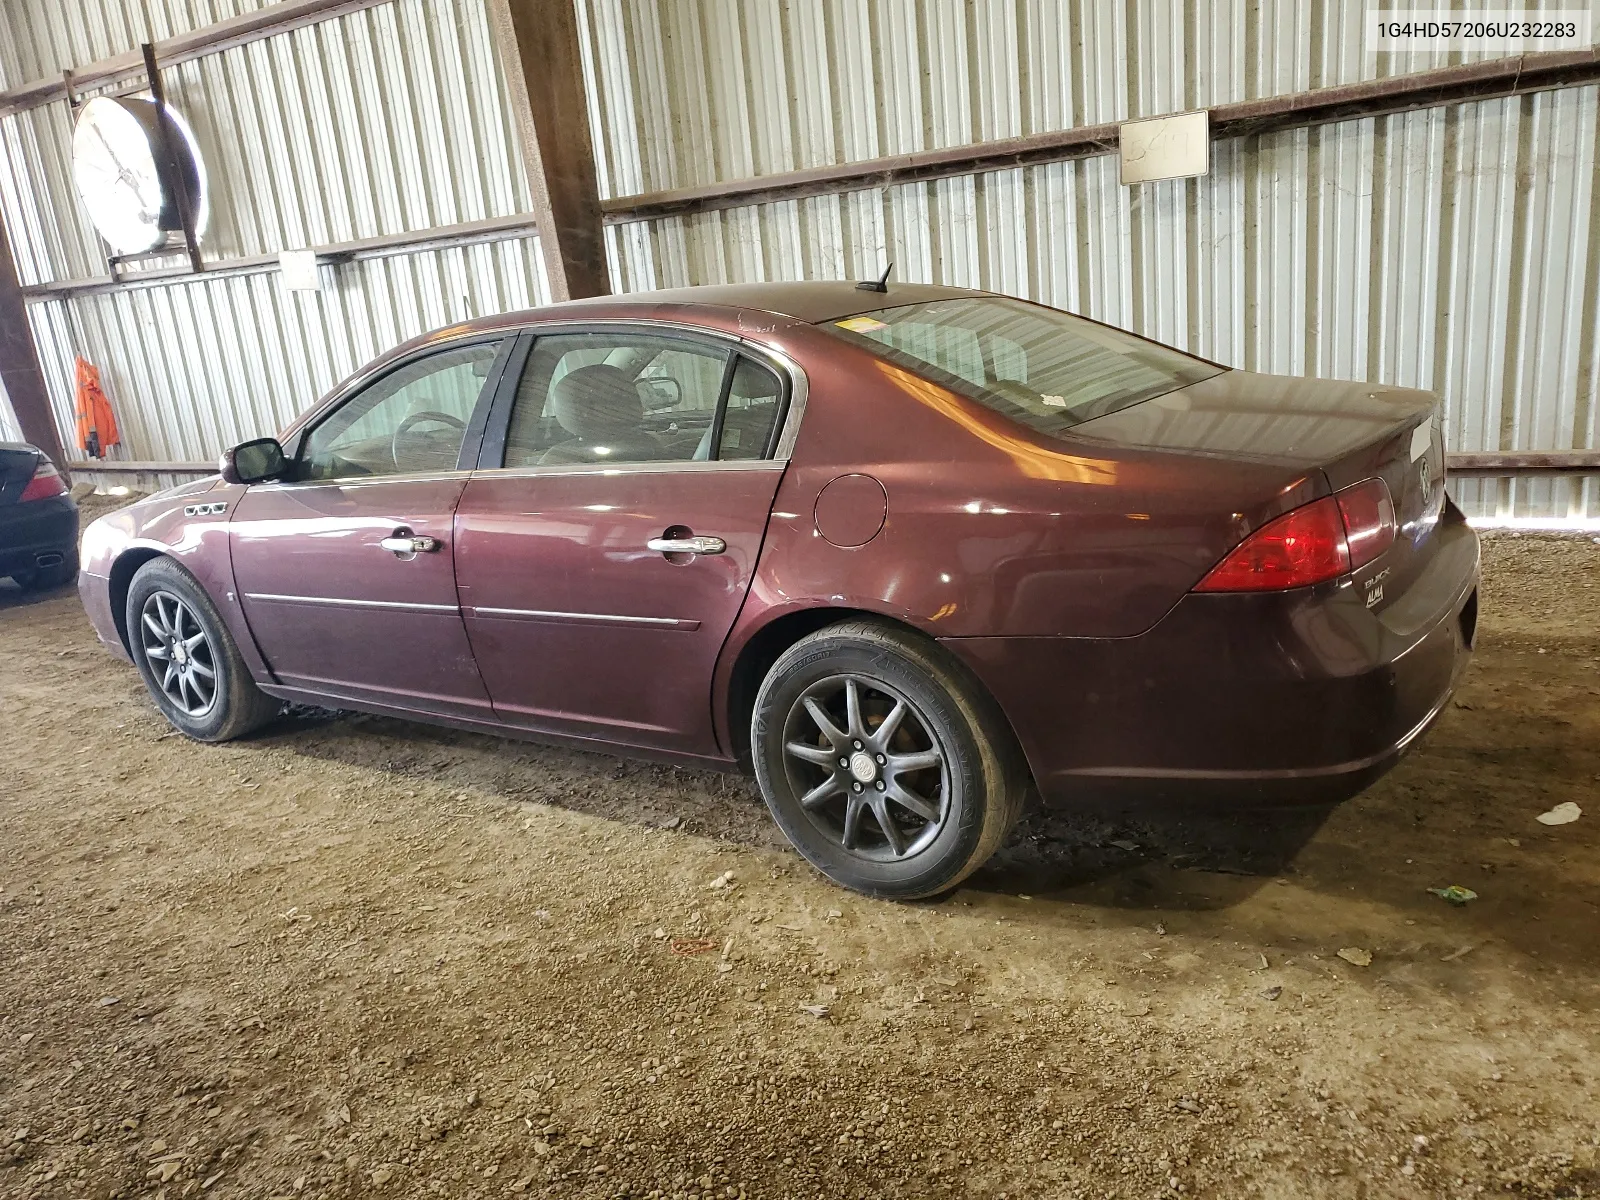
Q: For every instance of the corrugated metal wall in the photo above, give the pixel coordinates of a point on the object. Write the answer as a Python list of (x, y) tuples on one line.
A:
[(384, 121), (1452, 252), (39, 39), (695, 91), (236, 356), (1449, 248)]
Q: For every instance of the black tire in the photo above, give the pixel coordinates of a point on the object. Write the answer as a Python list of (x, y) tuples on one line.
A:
[(966, 802), (167, 605), (44, 579)]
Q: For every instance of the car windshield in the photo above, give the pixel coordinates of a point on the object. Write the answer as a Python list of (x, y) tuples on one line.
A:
[(1046, 368)]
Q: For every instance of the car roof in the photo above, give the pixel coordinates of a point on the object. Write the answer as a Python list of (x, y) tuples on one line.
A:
[(808, 301), (717, 306)]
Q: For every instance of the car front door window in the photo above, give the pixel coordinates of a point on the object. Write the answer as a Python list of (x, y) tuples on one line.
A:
[(414, 419), (349, 583)]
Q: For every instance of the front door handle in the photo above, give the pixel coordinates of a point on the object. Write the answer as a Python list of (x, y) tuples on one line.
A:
[(687, 545), (409, 545)]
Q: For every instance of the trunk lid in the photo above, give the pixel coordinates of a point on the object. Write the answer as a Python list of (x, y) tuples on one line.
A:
[(1347, 431), (17, 464)]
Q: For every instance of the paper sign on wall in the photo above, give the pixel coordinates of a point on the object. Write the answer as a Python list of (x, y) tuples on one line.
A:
[(299, 269), (1165, 147)]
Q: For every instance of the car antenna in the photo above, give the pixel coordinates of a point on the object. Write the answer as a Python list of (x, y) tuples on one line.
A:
[(880, 284)]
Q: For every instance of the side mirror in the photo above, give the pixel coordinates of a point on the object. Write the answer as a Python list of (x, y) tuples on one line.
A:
[(254, 462)]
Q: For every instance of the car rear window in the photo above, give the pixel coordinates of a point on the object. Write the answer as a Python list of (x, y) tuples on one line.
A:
[(1046, 368)]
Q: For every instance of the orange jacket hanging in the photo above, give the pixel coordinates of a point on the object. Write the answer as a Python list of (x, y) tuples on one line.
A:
[(97, 427)]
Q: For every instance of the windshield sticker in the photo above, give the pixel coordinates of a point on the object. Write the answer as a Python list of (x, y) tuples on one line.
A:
[(862, 324)]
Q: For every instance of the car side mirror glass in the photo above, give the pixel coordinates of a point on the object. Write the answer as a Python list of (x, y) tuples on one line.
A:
[(254, 462)]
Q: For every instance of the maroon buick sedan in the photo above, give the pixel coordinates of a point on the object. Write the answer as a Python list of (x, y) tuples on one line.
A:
[(907, 552)]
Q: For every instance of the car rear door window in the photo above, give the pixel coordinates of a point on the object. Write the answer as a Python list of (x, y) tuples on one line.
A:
[(413, 419), (629, 397), (755, 403), (604, 398)]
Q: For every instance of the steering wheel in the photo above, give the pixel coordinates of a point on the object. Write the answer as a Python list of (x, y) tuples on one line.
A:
[(418, 418)]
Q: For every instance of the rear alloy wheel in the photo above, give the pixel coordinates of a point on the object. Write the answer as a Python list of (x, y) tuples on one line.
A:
[(190, 664), (866, 769), (882, 762)]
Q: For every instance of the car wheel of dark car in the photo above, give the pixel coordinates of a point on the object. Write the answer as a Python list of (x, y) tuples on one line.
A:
[(889, 770), (43, 579), (189, 661)]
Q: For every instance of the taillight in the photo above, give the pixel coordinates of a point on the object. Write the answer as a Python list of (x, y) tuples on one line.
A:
[(46, 482), (1368, 520), (1316, 542), (1298, 549)]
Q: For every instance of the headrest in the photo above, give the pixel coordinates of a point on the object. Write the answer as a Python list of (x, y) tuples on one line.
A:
[(597, 402), (756, 384)]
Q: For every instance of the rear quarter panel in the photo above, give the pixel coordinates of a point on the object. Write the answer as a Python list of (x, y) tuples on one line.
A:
[(992, 530)]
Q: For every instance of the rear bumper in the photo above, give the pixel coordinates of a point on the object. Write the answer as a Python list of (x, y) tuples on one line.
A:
[(38, 530), (1303, 696)]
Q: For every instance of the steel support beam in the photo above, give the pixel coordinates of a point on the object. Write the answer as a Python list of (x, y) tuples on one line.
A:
[(468, 233), (1525, 462), (211, 39), (125, 467), (1321, 106), (20, 371), (537, 41)]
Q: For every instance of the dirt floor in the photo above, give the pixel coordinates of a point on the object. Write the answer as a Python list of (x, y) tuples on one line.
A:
[(356, 956)]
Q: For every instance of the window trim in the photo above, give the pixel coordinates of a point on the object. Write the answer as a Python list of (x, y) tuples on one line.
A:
[(719, 417), (669, 466), (472, 436), (780, 447)]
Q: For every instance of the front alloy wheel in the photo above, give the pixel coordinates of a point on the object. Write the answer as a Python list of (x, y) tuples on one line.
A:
[(190, 664), (180, 655)]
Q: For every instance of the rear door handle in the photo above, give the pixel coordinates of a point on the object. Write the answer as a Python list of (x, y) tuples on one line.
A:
[(409, 545), (687, 545)]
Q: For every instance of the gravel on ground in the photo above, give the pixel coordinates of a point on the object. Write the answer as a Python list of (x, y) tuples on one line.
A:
[(360, 956)]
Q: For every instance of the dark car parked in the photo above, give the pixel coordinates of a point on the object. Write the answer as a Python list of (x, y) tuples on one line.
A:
[(38, 519), (905, 554)]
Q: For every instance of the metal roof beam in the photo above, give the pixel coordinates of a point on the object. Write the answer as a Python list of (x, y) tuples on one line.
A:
[(1321, 106), (490, 229), (210, 39), (537, 41)]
